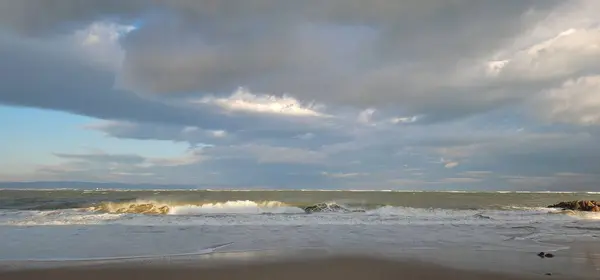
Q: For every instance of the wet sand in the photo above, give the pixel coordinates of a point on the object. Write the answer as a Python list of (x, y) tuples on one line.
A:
[(331, 268), (580, 261)]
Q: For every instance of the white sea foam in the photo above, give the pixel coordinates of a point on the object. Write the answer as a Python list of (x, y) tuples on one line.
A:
[(407, 211), (56, 218), (252, 213), (235, 207)]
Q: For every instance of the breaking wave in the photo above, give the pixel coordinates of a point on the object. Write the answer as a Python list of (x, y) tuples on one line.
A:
[(278, 207), (279, 213), (250, 207), (236, 207), (228, 207), (580, 215)]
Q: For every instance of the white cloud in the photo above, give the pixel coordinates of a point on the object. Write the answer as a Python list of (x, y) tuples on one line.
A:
[(244, 100), (399, 120), (187, 129), (562, 44), (366, 116), (570, 174), (577, 102), (570, 51), (451, 164), (495, 67), (219, 133), (343, 175), (99, 43)]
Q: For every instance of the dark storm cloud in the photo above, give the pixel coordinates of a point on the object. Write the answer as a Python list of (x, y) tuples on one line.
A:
[(341, 52), (544, 155), (336, 52), (46, 76), (47, 17), (295, 137)]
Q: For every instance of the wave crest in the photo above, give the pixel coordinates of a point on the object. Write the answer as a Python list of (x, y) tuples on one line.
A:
[(150, 207), (228, 207), (139, 207)]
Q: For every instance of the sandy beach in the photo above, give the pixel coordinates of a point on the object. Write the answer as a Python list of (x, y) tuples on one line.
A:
[(347, 268)]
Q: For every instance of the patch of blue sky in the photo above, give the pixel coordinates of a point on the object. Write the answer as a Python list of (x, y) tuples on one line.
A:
[(32, 136)]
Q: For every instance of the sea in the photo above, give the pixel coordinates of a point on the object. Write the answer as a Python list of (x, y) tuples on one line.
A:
[(94, 224)]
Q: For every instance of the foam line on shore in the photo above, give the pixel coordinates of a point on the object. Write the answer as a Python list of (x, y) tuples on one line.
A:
[(204, 251)]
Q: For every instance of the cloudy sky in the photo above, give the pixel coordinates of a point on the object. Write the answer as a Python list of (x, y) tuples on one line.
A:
[(344, 94)]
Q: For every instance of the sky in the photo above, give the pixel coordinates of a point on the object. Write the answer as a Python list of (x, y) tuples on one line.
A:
[(335, 94)]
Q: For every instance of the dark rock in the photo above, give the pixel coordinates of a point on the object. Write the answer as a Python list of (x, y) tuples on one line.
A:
[(548, 274), (328, 207), (324, 207), (578, 205), (541, 254), (481, 216), (548, 255)]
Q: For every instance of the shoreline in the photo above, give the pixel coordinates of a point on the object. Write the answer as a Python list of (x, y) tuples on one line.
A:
[(348, 267)]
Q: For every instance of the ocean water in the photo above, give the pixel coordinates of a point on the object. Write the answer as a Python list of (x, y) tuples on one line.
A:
[(88, 224)]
